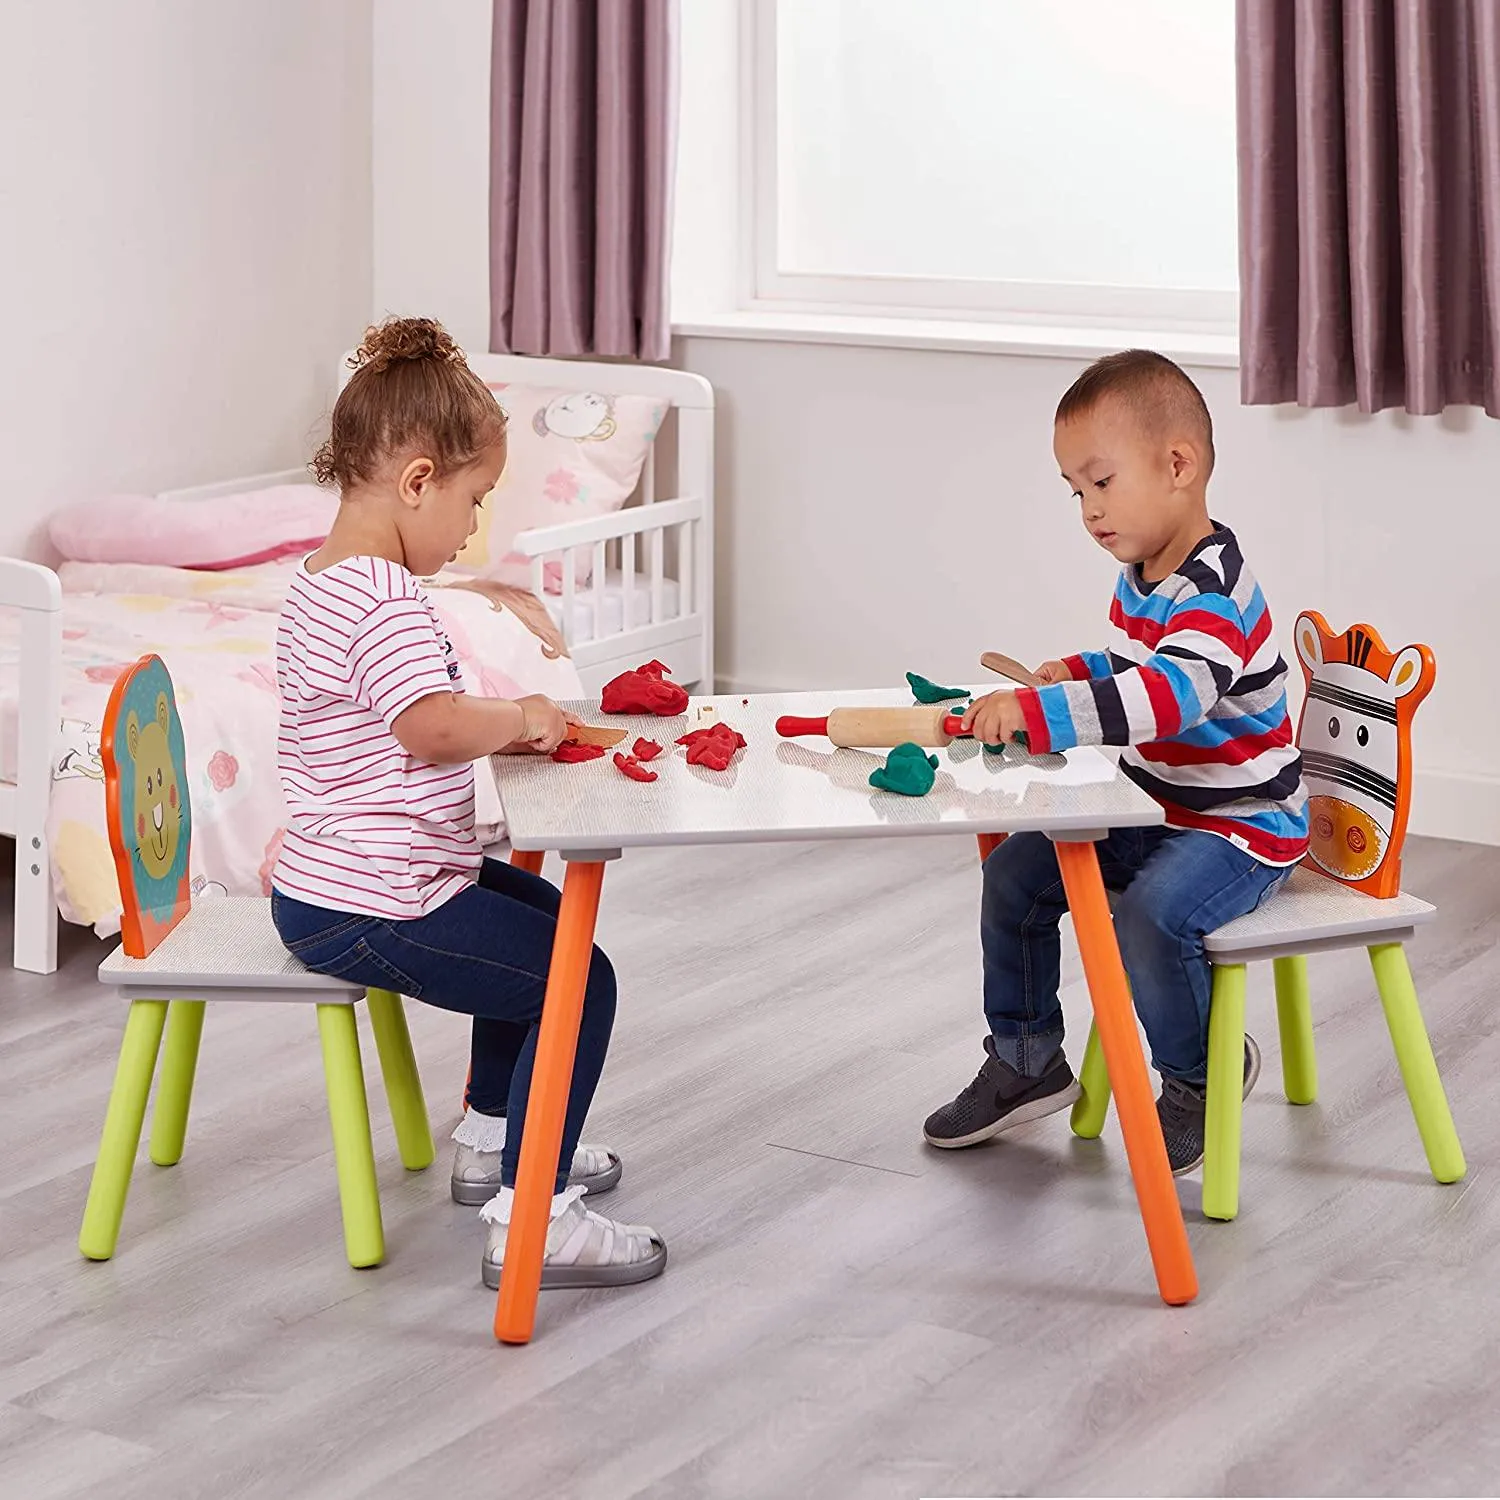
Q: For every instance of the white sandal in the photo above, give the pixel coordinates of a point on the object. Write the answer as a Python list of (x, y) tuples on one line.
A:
[(583, 1248), (476, 1163)]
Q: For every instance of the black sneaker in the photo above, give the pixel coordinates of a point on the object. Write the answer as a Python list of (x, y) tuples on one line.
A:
[(999, 1098), (1182, 1110)]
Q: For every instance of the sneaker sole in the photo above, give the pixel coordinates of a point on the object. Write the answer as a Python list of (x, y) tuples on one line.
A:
[(556, 1278), (1252, 1077), (477, 1194), (1022, 1114)]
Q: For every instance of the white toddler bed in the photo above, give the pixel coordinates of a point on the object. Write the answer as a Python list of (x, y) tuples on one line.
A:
[(64, 635)]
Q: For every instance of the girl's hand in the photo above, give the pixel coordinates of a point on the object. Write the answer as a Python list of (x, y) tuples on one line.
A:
[(1053, 671), (546, 728), (995, 719)]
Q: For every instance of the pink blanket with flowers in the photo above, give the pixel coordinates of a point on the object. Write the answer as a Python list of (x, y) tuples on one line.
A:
[(216, 633)]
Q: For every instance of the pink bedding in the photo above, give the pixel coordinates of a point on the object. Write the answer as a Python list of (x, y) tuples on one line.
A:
[(216, 632), (230, 531)]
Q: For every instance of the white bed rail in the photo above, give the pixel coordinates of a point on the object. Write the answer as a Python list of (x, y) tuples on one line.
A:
[(35, 594), (658, 540), (686, 640), (638, 542)]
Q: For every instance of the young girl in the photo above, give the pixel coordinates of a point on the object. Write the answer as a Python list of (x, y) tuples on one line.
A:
[(380, 878)]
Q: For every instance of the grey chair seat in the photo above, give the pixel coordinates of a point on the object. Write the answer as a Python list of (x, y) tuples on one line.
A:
[(227, 948), (1313, 914)]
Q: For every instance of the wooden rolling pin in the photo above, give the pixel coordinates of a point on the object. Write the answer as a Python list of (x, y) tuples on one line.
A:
[(879, 728)]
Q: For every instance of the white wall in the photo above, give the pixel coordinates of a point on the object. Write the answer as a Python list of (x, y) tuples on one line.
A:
[(185, 190), (431, 142), (884, 509)]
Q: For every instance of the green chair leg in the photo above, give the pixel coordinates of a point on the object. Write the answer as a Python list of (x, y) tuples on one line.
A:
[(1226, 1087), (174, 1089), (1299, 1063), (1093, 1105), (403, 1084), (353, 1155), (1418, 1067), (121, 1137)]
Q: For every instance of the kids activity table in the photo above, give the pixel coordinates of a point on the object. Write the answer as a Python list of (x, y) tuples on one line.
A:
[(784, 790)]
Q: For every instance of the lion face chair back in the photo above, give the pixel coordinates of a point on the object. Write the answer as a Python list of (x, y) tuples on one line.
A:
[(147, 804)]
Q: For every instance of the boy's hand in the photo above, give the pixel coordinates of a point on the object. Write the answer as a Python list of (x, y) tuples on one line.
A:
[(995, 719), (1053, 671), (546, 728)]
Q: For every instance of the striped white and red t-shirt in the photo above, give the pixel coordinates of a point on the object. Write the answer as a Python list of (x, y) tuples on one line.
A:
[(372, 830)]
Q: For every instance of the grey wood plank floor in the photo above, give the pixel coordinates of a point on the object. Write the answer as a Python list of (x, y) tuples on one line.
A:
[(846, 1312)]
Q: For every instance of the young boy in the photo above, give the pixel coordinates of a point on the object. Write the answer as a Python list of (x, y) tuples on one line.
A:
[(1195, 688)]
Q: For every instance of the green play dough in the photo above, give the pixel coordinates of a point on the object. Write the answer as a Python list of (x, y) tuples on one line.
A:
[(1020, 739), (908, 770), (929, 692)]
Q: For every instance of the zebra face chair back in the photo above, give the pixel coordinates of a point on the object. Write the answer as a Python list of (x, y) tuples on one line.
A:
[(1355, 738)]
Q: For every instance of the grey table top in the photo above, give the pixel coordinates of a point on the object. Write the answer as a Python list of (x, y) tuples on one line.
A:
[(779, 790)]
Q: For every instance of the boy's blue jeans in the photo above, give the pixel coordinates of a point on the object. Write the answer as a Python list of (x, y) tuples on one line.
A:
[(1177, 884), (483, 953)]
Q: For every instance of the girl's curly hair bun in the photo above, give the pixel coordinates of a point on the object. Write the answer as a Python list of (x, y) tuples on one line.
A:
[(398, 339)]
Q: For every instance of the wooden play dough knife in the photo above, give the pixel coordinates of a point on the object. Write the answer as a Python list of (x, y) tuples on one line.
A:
[(594, 734), (1008, 666)]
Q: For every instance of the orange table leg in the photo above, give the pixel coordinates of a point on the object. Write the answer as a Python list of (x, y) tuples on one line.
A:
[(988, 843), (551, 1079), (1114, 1017)]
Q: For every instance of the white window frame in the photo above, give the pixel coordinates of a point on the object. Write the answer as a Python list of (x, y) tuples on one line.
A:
[(765, 288)]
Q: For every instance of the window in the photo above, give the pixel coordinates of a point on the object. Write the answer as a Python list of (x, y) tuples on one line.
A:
[(1063, 162)]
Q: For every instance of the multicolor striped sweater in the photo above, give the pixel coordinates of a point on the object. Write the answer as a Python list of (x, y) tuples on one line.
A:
[(1196, 689)]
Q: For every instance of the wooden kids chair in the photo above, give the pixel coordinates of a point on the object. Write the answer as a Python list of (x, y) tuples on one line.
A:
[(176, 956), (1355, 737)]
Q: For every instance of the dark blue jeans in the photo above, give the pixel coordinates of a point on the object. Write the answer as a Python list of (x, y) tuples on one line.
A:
[(1177, 884), (483, 953)]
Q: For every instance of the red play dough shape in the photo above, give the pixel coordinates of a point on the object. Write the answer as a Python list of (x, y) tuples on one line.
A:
[(644, 691), (713, 748), (632, 768), (570, 752), (645, 749)]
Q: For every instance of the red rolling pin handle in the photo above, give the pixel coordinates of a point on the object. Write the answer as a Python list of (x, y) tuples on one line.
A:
[(792, 728), (953, 724)]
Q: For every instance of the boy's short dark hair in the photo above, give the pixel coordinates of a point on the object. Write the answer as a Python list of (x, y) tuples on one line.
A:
[(1159, 394)]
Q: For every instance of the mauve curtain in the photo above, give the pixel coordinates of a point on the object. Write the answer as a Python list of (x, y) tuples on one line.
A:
[(581, 122), (1369, 142)]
